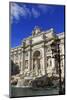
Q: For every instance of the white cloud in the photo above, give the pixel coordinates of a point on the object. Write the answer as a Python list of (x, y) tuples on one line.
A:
[(17, 11), (24, 11), (35, 13), (43, 8)]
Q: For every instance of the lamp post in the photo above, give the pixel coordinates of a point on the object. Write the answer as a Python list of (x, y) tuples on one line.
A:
[(56, 55)]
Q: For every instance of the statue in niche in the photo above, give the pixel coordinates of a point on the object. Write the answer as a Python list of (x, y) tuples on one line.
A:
[(37, 66)]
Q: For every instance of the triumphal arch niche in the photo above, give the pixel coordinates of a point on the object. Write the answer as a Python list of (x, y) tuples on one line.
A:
[(35, 57)]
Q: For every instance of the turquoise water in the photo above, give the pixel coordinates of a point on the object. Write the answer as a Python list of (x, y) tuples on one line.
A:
[(18, 91)]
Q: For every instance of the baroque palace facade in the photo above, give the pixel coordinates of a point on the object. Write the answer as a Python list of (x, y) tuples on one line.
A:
[(35, 58)]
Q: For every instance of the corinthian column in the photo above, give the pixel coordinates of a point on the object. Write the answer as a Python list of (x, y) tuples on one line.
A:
[(30, 56), (23, 58), (19, 60), (53, 65), (29, 60), (44, 59), (23, 61)]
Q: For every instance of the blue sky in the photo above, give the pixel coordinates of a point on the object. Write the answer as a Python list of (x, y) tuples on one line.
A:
[(24, 17)]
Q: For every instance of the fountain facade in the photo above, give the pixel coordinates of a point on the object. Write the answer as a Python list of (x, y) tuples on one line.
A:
[(34, 56)]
